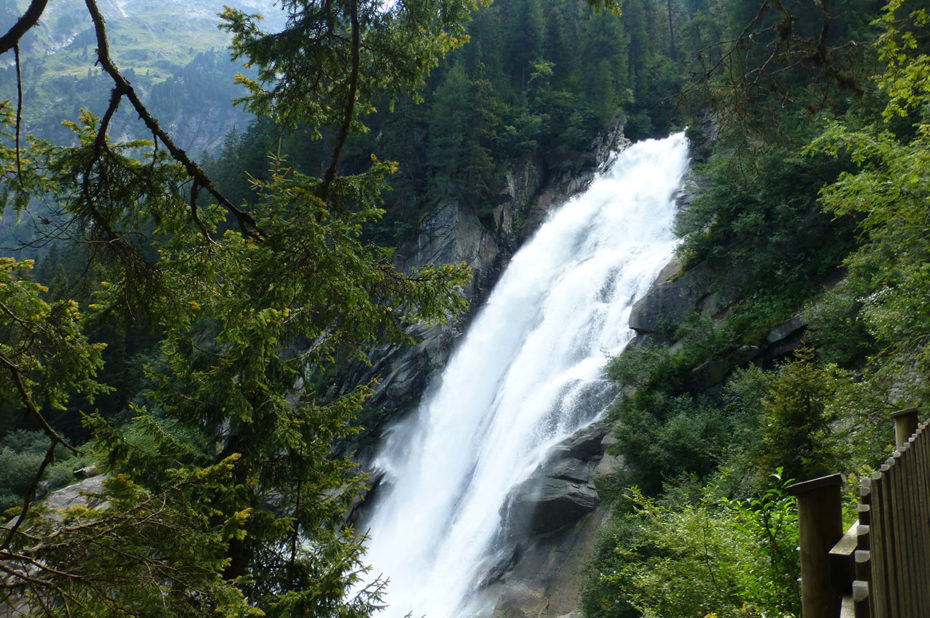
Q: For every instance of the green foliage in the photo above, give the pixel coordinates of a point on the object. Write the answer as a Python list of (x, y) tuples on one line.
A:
[(887, 195), (759, 222), (225, 495), (311, 278), (795, 419), (642, 366), (21, 454), (835, 326), (661, 435), (533, 88), (780, 220), (103, 557), (903, 48), (462, 120), (311, 72), (44, 357), (713, 556)]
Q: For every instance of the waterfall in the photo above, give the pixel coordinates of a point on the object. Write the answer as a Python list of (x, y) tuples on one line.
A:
[(517, 382)]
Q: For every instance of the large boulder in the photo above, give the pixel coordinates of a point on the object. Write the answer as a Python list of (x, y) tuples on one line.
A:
[(672, 299), (585, 444), (562, 490), (557, 503), (83, 493), (545, 579), (669, 302), (785, 337)]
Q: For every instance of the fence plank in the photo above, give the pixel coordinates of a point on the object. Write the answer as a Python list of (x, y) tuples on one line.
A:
[(923, 451), (889, 543), (905, 424), (820, 523), (881, 603), (908, 558), (842, 560), (896, 540), (923, 459), (863, 555), (848, 607), (913, 486), (921, 454), (884, 558)]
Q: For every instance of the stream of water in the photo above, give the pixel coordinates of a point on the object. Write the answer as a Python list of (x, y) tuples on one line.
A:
[(517, 382)]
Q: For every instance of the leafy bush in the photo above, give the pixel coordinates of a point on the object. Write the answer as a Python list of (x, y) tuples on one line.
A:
[(715, 556), (662, 435), (759, 223)]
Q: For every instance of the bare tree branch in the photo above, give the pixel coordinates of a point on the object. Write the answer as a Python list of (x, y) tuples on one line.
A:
[(19, 113), (29, 19), (350, 101), (203, 228), (246, 222)]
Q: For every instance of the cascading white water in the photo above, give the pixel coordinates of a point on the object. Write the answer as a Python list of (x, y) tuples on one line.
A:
[(515, 385)]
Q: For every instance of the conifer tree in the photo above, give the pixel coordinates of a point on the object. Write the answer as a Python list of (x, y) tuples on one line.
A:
[(227, 492)]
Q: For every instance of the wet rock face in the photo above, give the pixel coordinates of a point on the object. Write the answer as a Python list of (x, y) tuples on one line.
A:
[(558, 502), (551, 523), (561, 491), (451, 235)]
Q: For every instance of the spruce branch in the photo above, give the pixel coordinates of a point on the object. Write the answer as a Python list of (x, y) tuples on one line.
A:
[(124, 88)]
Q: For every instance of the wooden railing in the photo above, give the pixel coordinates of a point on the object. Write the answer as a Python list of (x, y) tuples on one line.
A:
[(880, 568)]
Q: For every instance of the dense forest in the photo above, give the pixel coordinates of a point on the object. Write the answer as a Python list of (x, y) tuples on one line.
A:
[(808, 210), (177, 322)]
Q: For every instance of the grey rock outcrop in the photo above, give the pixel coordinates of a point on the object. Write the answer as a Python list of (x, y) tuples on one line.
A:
[(561, 491), (672, 299), (546, 579), (677, 295), (551, 503), (785, 337), (82, 493), (13, 575), (553, 522), (451, 235)]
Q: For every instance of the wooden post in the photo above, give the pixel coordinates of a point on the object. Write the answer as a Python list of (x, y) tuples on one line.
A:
[(820, 520), (905, 424), (861, 599)]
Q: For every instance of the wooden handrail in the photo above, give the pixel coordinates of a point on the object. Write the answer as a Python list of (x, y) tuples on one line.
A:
[(880, 568)]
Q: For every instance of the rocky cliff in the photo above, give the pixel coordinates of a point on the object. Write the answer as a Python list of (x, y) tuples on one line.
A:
[(452, 234)]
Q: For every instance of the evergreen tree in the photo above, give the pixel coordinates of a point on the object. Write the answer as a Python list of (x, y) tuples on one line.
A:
[(225, 493)]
